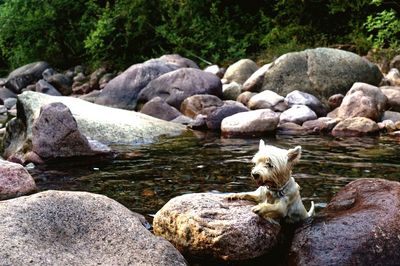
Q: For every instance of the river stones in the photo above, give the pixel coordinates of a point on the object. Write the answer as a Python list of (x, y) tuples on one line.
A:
[(25, 75), (240, 71), (178, 60), (214, 116), (393, 95), (355, 127), (158, 108), (267, 99), (15, 180), (45, 87), (302, 98), (77, 228), (196, 104), (298, 114), (61, 82), (207, 225), (321, 72), (360, 226)]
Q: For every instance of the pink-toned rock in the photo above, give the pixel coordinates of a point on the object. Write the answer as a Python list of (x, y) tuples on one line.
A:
[(393, 95), (158, 108), (194, 105), (15, 180), (360, 226), (335, 101), (355, 126)]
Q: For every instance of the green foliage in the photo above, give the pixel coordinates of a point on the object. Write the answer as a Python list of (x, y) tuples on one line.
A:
[(384, 29)]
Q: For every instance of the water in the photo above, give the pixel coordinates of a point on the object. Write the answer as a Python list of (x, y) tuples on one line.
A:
[(145, 178)]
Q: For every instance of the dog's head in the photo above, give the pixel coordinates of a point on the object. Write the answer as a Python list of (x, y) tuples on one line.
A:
[(273, 166)]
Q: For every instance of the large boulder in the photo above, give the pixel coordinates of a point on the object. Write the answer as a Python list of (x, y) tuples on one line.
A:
[(321, 72), (100, 123), (252, 123), (15, 180), (122, 91), (360, 226), (209, 226), (363, 100), (174, 87), (240, 71), (255, 81), (25, 75), (77, 228)]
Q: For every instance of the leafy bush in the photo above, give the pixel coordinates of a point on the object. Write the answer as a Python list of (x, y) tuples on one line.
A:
[(384, 29)]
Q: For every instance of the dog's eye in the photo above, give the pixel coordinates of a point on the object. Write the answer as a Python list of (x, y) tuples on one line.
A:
[(269, 165)]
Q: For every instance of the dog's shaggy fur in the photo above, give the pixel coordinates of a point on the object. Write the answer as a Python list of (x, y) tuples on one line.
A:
[(278, 196)]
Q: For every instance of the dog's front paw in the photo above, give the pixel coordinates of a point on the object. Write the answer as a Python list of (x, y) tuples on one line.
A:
[(232, 196), (259, 209)]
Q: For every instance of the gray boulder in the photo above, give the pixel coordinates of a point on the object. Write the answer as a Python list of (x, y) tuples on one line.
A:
[(209, 226), (240, 71), (390, 115), (321, 72), (78, 228), (61, 82), (158, 108), (25, 75), (298, 114), (215, 115), (360, 226), (122, 91), (302, 98), (46, 88), (174, 87), (251, 123), (231, 91), (393, 95), (15, 180)]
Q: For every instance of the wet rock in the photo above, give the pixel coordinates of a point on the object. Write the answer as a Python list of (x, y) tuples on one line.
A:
[(194, 105), (298, 114), (174, 87), (267, 100), (15, 181), (289, 128), (390, 115), (61, 82), (360, 226), (122, 91), (320, 125), (178, 60), (321, 72), (100, 123), (231, 91), (46, 88), (240, 71), (158, 108), (199, 122), (209, 226), (216, 115), (25, 75), (393, 95), (363, 100), (335, 101), (252, 123), (255, 81), (78, 228), (355, 127), (245, 97), (302, 98)]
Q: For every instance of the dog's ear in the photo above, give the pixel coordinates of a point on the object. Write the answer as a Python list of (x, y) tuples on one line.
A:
[(294, 154), (262, 145)]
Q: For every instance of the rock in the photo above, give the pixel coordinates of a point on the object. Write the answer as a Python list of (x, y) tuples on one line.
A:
[(255, 81), (231, 91), (122, 91), (100, 123), (245, 97), (81, 88), (78, 228), (335, 101), (174, 87), (15, 181), (25, 75), (395, 62), (302, 98), (321, 72), (387, 125), (91, 96), (298, 114), (48, 72), (320, 125), (55, 134), (252, 123), (178, 60), (393, 95), (355, 127), (199, 122), (289, 128), (216, 70), (105, 79), (9, 103), (158, 108), (215, 115), (209, 226), (393, 77), (240, 71), (182, 119), (194, 105), (363, 100), (61, 82), (360, 226), (95, 79), (46, 88), (267, 100), (6, 93), (80, 77), (390, 115)]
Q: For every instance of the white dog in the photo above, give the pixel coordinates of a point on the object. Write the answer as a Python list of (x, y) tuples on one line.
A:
[(278, 196)]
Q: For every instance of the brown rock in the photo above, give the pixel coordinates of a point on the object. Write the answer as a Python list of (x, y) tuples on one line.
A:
[(245, 97), (321, 125), (393, 95), (335, 101), (194, 105), (356, 126), (208, 225), (158, 108), (360, 226), (15, 180)]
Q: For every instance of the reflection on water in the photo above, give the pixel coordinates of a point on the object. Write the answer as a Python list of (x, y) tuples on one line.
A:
[(145, 178)]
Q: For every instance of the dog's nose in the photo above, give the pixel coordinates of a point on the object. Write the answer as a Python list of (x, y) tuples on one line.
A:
[(255, 175)]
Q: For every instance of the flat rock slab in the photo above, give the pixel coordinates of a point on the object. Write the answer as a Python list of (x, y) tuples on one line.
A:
[(360, 226), (207, 225), (77, 228)]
